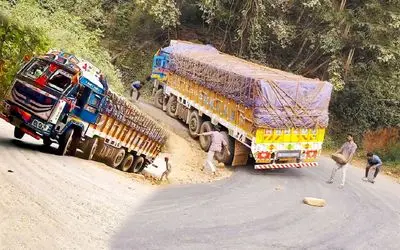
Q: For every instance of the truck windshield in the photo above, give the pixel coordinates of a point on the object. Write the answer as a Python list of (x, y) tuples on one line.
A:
[(36, 69), (60, 80)]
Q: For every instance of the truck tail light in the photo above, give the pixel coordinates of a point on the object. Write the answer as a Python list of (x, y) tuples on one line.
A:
[(264, 155), (310, 154)]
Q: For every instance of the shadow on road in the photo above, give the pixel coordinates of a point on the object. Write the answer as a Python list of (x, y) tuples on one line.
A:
[(33, 146), (27, 145), (212, 215)]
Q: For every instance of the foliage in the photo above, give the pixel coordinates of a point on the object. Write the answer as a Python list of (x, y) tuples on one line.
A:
[(15, 42), (42, 29), (353, 44), (164, 12)]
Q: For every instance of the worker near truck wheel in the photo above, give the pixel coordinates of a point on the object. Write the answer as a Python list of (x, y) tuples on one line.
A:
[(348, 150), (373, 162), (167, 171), (218, 144), (135, 90)]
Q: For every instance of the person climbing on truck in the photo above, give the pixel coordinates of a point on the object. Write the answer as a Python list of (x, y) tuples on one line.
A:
[(218, 144), (373, 161)]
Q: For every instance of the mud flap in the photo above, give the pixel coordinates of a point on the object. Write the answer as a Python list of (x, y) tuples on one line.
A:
[(241, 154)]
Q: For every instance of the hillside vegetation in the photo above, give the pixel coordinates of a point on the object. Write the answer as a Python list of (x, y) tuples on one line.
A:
[(353, 44)]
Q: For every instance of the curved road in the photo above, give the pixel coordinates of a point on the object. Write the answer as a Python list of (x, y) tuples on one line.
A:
[(264, 210), (52, 202)]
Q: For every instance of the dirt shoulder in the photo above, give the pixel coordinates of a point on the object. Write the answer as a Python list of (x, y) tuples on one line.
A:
[(185, 154)]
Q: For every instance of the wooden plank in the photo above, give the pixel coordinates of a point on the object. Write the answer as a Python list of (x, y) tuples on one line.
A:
[(241, 154)]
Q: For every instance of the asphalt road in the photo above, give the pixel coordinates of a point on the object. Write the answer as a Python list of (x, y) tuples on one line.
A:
[(264, 210), (52, 202)]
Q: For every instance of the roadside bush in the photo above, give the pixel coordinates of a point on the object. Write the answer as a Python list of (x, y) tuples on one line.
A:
[(28, 28), (385, 142)]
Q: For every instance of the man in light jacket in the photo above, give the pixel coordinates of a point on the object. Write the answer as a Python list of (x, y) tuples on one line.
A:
[(348, 150), (218, 143)]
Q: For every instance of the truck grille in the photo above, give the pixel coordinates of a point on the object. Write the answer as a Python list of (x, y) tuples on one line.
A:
[(33, 99)]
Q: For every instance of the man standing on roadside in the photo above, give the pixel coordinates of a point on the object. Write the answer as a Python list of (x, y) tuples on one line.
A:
[(218, 143), (373, 162), (348, 150)]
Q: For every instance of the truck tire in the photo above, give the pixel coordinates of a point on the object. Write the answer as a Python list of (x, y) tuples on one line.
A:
[(65, 142), (47, 141), (76, 139), (205, 141), (127, 163), (195, 122), (116, 158), (137, 165), (100, 146), (159, 98), (18, 133), (90, 148), (223, 156), (172, 106)]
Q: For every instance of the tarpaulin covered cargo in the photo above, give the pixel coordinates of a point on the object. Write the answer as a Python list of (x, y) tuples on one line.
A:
[(124, 111), (279, 99)]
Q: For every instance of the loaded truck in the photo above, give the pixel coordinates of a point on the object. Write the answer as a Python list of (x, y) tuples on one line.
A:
[(270, 118), (63, 99)]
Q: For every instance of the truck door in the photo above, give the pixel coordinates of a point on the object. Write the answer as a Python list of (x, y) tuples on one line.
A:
[(159, 64), (87, 104)]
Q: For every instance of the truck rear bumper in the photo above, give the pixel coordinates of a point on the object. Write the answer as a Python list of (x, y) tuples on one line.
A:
[(286, 165)]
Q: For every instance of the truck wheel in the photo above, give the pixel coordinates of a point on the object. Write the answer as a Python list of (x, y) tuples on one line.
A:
[(127, 163), (172, 106), (195, 122), (223, 156), (65, 142), (76, 139), (18, 133), (116, 158), (159, 98), (205, 141), (47, 141), (100, 146), (137, 165), (90, 148)]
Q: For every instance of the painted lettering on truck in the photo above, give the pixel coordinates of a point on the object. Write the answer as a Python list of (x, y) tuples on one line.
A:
[(275, 117)]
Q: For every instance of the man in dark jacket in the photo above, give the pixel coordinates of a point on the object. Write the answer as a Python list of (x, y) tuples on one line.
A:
[(373, 162)]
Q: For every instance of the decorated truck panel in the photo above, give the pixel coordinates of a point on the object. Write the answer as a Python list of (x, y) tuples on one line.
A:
[(276, 117), (66, 100)]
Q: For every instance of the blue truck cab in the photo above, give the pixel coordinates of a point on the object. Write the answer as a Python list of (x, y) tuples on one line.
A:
[(159, 66), (55, 97)]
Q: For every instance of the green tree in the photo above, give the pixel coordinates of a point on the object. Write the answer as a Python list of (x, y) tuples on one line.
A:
[(55, 28)]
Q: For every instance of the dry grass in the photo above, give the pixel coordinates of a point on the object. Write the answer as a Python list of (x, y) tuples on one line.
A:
[(380, 140)]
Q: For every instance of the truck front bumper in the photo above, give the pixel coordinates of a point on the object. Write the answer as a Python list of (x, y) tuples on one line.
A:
[(15, 118), (286, 165)]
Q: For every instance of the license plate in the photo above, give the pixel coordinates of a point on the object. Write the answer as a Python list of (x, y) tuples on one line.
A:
[(39, 125), (288, 155)]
